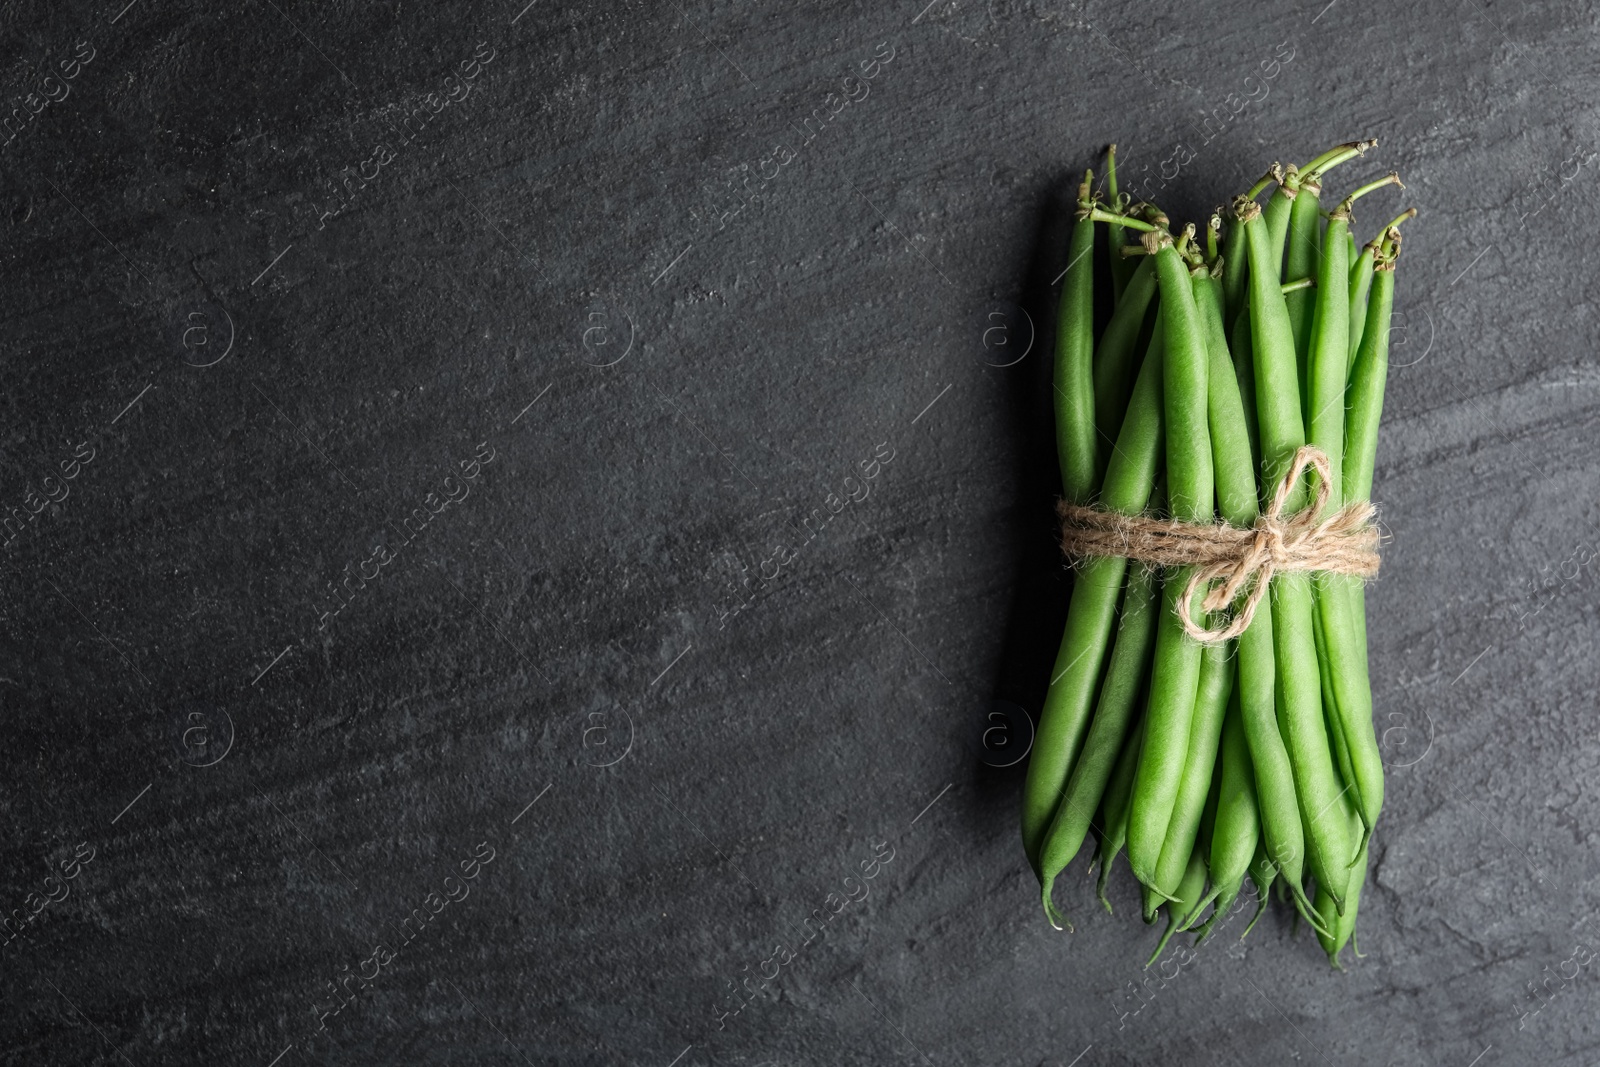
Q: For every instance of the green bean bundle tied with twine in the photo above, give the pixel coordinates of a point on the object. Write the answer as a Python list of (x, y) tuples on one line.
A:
[(1210, 709)]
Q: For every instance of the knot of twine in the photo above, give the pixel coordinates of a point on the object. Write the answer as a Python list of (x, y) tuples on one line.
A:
[(1344, 543)]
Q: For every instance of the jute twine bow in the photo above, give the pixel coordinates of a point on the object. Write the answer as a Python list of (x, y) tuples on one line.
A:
[(1344, 543)]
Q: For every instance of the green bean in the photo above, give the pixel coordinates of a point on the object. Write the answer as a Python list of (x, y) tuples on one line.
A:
[(1065, 715), (1364, 405), (1342, 661), (1077, 444), (1114, 810), (1184, 908), (1300, 261), (1367, 373), (1305, 245), (1244, 373), (1297, 682), (1238, 828), (1108, 733), (1174, 675), (1336, 742), (1328, 349), (1360, 286), (1229, 428), (1280, 205), (1233, 274), (1341, 926), (1115, 361), (1361, 269), (1235, 484), (1214, 688), (1232, 405)]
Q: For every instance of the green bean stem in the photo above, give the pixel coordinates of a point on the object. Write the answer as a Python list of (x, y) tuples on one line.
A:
[(1336, 155), (1367, 373), (1175, 672), (1063, 719)]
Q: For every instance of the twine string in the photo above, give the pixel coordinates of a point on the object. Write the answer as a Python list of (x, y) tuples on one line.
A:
[(1242, 560)]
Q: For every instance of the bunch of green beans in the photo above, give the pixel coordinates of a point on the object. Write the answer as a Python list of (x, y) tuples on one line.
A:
[(1254, 758)]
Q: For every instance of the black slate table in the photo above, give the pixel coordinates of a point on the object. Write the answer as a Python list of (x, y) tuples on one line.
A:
[(519, 514)]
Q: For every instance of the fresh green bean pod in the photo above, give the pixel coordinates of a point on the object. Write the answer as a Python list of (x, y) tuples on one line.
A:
[(1175, 672), (1116, 360), (1300, 261), (1367, 374), (1234, 447), (1108, 733), (1328, 351), (1361, 266), (1233, 274), (1244, 374), (1328, 847), (1114, 810), (1343, 660), (1064, 718), (1229, 426), (1336, 744), (1364, 407), (1234, 479), (1077, 443), (1360, 286), (1297, 679), (1205, 732), (1238, 827)]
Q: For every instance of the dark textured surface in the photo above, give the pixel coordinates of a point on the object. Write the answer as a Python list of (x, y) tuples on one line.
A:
[(580, 606)]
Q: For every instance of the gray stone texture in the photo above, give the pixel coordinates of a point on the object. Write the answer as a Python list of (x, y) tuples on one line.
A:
[(642, 397)]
